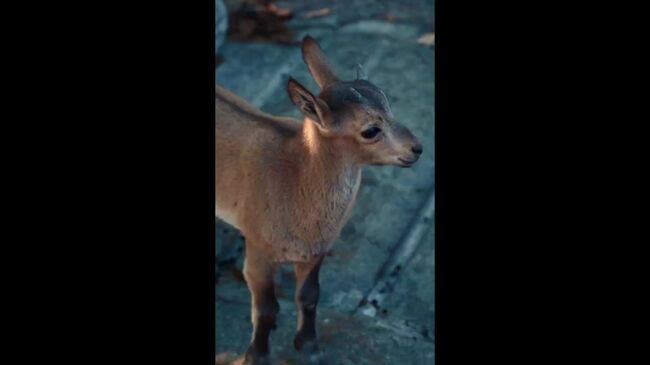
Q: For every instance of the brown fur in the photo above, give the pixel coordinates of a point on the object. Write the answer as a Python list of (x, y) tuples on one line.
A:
[(292, 202), (290, 186)]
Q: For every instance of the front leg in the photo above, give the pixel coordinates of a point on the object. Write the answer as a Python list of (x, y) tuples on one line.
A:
[(307, 294), (259, 272)]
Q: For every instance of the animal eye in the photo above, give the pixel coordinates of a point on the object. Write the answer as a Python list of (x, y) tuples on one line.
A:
[(370, 132)]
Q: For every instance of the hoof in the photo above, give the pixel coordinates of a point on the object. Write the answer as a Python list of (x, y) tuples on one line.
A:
[(301, 339), (253, 358), (311, 351)]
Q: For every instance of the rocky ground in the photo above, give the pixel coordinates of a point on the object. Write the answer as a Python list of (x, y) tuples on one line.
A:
[(377, 294)]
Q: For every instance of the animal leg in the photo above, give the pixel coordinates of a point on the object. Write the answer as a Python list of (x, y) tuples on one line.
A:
[(259, 278), (307, 294)]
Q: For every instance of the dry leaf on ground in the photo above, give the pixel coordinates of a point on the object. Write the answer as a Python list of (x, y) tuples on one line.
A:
[(317, 13), (427, 39)]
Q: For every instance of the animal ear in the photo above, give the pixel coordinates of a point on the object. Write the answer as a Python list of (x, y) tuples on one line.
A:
[(313, 107), (317, 63)]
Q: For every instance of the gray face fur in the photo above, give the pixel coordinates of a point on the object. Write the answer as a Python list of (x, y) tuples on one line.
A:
[(354, 111), (361, 110), (340, 95)]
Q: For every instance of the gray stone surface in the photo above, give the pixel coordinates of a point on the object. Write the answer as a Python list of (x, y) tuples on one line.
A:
[(417, 13), (221, 23), (356, 31), (344, 338), (416, 284)]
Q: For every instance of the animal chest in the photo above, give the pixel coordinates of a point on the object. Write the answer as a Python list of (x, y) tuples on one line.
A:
[(311, 232)]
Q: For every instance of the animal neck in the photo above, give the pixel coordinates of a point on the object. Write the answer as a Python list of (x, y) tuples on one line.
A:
[(327, 157), (327, 184)]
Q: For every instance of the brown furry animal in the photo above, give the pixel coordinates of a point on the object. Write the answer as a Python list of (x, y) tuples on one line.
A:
[(289, 186)]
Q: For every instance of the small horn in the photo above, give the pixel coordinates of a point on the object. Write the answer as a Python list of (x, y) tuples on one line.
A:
[(361, 75), (358, 97)]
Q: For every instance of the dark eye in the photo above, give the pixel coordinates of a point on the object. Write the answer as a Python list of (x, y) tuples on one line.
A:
[(370, 132)]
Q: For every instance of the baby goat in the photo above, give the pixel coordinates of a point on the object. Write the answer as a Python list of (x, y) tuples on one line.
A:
[(289, 187)]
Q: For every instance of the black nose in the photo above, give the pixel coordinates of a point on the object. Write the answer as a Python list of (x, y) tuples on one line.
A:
[(417, 149)]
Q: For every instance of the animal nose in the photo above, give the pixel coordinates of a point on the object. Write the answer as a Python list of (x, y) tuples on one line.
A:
[(417, 149)]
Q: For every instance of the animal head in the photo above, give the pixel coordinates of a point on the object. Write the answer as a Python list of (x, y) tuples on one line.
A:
[(355, 113)]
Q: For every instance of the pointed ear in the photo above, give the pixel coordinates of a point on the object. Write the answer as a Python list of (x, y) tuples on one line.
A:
[(313, 107), (317, 63)]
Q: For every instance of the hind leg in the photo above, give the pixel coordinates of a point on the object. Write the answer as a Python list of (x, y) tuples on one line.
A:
[(259, 272)]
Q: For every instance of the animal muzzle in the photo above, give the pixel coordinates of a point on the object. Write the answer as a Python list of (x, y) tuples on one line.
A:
[(412, 146)]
